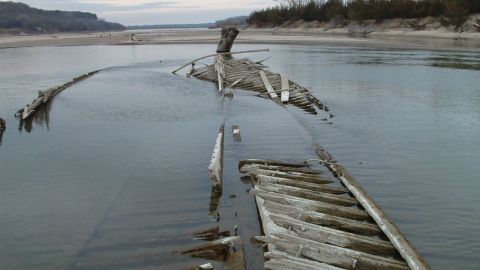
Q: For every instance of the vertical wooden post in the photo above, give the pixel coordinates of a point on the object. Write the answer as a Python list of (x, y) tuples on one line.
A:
[(226, 40)]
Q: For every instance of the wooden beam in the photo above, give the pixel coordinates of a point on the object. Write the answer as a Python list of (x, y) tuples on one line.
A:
[(215, 169), (283, 261), (334, 237), (334, 255), (267, 84), (307, 194), (326, 208), (321, 219), (299, 184), (406, 250)]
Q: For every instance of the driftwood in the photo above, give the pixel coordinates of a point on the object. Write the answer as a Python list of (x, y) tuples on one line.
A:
[(45, 96), (226, 40)]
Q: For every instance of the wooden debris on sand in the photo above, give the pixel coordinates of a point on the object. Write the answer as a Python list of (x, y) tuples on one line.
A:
[(45, 96), (310, 223)]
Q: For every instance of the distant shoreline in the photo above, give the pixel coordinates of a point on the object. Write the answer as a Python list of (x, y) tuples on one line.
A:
[(407, 39)]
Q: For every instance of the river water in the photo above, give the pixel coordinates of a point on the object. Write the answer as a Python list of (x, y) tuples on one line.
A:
[(113, 173)]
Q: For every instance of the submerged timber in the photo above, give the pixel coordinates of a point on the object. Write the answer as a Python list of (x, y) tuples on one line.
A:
[(45, 96), (310, 220)]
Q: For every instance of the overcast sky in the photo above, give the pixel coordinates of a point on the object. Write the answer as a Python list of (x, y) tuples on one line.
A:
[(131, 12)]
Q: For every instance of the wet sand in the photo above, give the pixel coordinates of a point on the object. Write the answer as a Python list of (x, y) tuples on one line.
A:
[(432, 39)]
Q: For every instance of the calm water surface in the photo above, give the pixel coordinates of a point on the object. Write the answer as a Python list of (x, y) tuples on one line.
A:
[(112, 174)]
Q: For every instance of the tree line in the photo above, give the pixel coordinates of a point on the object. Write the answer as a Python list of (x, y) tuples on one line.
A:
[(20, 16), (454, 11)]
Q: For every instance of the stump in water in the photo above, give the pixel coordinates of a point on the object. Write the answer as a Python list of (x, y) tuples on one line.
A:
[(226, 41)]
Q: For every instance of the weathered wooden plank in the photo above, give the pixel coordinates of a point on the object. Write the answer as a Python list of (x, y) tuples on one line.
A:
[(219, 67), (330, 254), (251, 167), (294, 176), (307, 194), (316, 218), (406, 250), (285, 97), (268, 86), (271, 163), (300, 184), (334, 237), (283, 261), (326, 208), (215, 169)]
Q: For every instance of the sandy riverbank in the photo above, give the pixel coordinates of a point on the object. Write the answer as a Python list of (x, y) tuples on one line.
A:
[(429, 39)]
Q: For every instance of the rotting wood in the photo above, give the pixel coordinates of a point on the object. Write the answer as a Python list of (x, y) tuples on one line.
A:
[(216, 250), (285, 96), (322, 219), (326, 208), (283, 261), (236, 133), (270, 162), (228, 35), (268, 86), (46, 96), (305, 171), (335, 237), (334, 255), (316, 179), (300, 184), (215, 169), (210, 234), (318, 215), (307, 194), (406, 250)]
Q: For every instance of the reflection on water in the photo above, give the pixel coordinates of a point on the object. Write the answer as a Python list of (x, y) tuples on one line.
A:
[(114, 174), (41, 118)]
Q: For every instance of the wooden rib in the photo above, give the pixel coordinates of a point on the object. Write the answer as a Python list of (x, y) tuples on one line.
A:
[(271, 163), (334, 255), (300, 184), (334, 237), (308, 171), (268, 86), (283, 261), (215, 168), (326, 208), (307, 194), (406, 250), (316, 218), (297, 177)]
